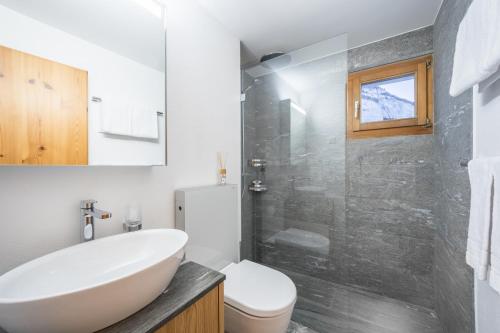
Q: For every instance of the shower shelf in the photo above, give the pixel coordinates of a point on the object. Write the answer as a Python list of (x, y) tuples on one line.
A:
[(257, 163), (257, 186)]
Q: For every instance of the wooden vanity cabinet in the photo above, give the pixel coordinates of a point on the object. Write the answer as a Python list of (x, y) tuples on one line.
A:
[(205, 316)]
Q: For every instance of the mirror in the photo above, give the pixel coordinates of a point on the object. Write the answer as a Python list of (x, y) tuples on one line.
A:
[(82, 82)]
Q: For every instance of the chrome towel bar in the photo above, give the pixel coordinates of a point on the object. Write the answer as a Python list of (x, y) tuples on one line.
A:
[(99, 100)]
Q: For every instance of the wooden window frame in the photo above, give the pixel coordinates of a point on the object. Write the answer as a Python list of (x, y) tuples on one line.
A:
[(424, 90)]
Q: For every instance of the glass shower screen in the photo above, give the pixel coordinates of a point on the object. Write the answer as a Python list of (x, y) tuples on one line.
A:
[(293, 118)]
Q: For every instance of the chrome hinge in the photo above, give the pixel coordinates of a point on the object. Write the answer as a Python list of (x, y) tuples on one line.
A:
[(243, 97), (428, 123)]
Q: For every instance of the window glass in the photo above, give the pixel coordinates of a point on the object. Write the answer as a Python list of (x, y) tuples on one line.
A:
[(386, 100)]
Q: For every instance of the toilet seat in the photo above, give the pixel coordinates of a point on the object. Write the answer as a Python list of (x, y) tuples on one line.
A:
[(257, 290)]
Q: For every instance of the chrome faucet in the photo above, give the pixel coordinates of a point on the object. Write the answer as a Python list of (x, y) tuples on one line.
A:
[(87, 215)]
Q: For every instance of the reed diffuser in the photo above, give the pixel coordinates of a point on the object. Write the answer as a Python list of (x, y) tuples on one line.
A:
[(221, 169)]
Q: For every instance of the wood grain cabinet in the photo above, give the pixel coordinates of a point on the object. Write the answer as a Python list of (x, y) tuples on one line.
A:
[(205, 316), (43, 111)]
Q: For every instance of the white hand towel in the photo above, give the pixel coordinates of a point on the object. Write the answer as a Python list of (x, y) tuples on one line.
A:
[(115, 117), (494, 278), (477, 51), (145, 122), (478, 241), (128, 119)]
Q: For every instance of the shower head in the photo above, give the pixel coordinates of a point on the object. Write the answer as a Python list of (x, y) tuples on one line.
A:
[(275, 60), (270, 56)]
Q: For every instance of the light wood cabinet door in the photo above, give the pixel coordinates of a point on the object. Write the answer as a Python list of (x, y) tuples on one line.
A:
[(43, 111), (204, 316)]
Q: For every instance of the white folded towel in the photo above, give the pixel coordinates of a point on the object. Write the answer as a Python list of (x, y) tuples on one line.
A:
[(494, 278), (478, 241), (144, 122), (128, 119), (477, 51), (115, 117)]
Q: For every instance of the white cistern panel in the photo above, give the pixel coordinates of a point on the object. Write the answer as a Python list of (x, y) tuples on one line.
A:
[(209, 215)]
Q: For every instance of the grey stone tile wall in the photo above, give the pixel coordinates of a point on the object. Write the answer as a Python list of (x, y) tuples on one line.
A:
[(452, 145), (406, 46), (390, 225)]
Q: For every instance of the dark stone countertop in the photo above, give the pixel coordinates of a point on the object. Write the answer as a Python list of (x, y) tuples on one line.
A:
[(190, 283)]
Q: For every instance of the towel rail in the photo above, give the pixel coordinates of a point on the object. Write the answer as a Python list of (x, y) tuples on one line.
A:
[(99, 100)]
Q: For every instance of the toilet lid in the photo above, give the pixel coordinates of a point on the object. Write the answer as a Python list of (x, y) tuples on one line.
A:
[(258, 290)]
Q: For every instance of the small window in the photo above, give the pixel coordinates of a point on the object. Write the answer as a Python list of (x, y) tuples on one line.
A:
[(395, 99)]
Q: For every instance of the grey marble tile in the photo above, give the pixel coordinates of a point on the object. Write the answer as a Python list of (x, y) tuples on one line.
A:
[(392, 150), (452, 144), (329, 307), (454, 289), (298, 328), (299, 259), (390, 223), (406, 46), (392, 217)]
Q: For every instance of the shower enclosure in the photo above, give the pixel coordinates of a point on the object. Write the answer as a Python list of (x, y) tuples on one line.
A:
[(349, 221), (294, 125)]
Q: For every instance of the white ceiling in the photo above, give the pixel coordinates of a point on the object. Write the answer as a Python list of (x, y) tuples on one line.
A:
[(266, 26), (122, 26)]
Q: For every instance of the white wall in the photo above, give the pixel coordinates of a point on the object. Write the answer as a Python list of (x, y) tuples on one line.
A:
[(486, 143), (109, 76), (40, 205)]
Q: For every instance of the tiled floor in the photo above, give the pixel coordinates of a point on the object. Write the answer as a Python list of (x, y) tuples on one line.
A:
[(298, 328), (325, 307)]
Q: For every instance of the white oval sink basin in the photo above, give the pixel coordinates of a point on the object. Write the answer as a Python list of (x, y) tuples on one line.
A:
[(92, 285)]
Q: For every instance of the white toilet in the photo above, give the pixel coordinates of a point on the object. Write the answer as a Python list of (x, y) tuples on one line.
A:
[(257, 299)]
